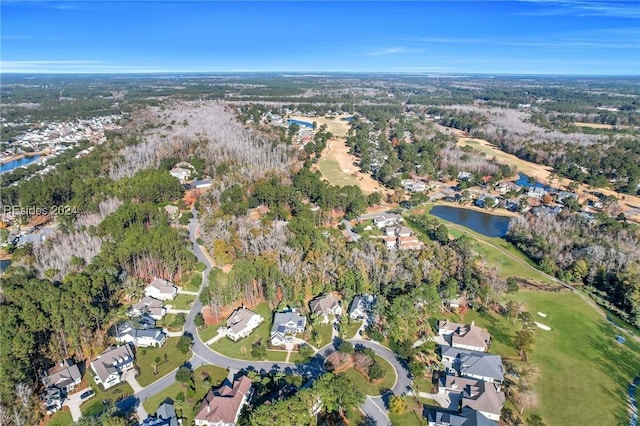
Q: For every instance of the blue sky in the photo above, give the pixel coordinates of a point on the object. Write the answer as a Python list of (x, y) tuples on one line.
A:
[(531, 37)]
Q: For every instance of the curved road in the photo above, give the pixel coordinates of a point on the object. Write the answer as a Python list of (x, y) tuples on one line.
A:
[(373, 407)]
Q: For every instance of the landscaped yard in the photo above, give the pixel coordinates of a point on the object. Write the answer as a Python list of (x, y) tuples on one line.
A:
[(95, 406), (584, 372), (369, 388), (352, 329), (182, 301), (146, 357), (325, 333), (209, 332), (242, 348), (216, 376), (168, 322), (413, 414), (61, 418)]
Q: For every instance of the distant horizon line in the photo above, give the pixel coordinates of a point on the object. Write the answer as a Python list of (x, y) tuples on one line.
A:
[(311, 73)]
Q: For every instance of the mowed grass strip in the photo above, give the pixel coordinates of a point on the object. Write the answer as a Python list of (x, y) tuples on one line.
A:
[(60, 418), (584, 372), (332, 172)]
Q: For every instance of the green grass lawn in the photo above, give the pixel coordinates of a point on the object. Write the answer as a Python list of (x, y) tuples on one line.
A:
[(189, 408), (94, 405), (167, 322), (145, 357), (352, 329), (584, 372), (192, 281), (61, 418), (209, 332), (324, 330), (182, 301), (242, 348), (412, 416), (332, 172), (372, 388)]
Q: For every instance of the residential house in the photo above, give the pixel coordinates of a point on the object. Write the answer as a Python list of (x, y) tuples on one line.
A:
[(536, 192), (64, 376), (180, 173), (562, 195), (172, 211), (389, 241), (409, 243), (285, 326), (221, 407), (473, 364), (360, 306), (481, 396), (325, 305), (149, 306), (387, 219), (201, 184), (241, 323), (468, 417), (464, 336), (52, 398), (161, 289), (140, 337), (466, 176), (399, 231), (165, 416), (109, 366)]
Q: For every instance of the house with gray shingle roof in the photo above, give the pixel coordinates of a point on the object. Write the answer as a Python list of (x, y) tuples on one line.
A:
[(241, 323), (325, 305), (109, 366), (473, 364), (285, 325), (482, 396), (64, 376)]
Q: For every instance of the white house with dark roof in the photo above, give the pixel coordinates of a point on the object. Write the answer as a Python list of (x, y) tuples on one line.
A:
[(360, 306), (140, 337), (109, 366), (285, 326), (241, 323), (161, 289)]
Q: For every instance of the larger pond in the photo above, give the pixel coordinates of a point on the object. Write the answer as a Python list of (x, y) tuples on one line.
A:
[(17, 163), (300, 123), (490, 225)]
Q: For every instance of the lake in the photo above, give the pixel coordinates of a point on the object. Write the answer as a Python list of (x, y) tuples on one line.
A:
[(4, 264), (490, 225), (300, 123), (524, 180), (17, 163)]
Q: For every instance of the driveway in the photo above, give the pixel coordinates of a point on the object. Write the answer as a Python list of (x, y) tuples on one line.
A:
[(73, 401)]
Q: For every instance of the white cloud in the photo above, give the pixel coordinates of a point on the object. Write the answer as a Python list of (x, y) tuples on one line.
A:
[(581, 8), (393, 51)]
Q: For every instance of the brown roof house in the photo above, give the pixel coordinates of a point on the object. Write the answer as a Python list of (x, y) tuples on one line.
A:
[(464, 336), (241, 323), (110, 365), (221, 407), (325, 305)]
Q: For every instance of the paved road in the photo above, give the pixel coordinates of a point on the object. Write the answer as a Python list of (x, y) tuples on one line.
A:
[(373, 407)]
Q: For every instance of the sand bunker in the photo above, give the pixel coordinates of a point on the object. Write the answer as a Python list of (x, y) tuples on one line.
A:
[(542, 314), (544, 327)]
